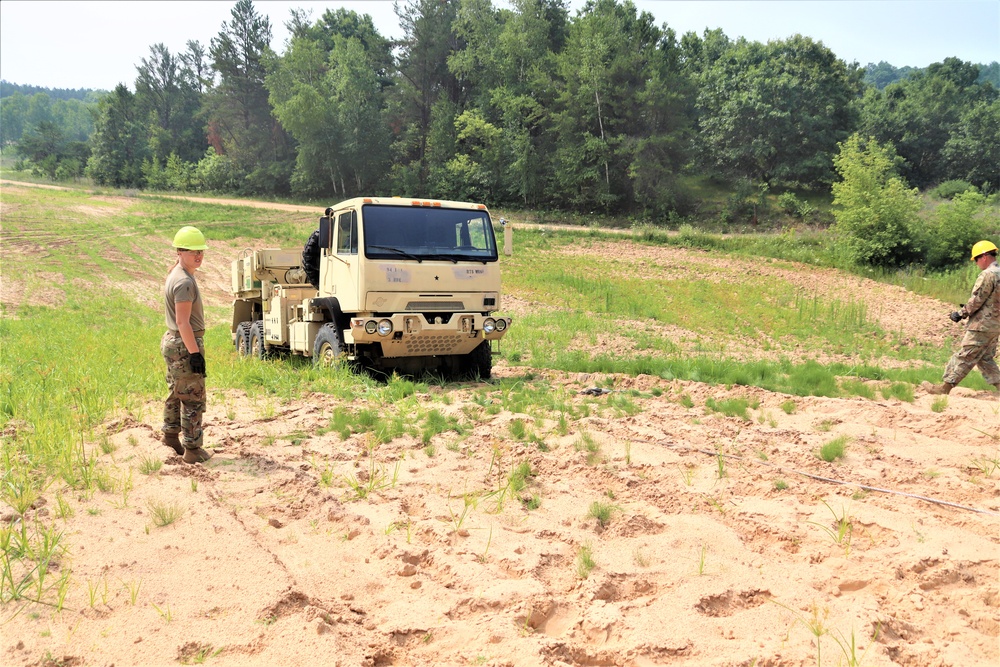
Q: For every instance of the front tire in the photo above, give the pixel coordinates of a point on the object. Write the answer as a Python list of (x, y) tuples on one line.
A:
[(479, 362), (328, 350)]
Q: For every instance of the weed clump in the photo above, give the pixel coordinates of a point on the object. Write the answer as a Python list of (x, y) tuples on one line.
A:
[(587, 444), (834, 449), (585, 561), (165, 513), (602, 512)]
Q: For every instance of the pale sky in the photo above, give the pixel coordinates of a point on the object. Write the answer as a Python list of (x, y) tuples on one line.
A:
[(83, 44)]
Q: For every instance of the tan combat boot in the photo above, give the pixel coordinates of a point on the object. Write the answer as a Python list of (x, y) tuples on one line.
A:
[(943, 388), (197, 455), (171, 440)]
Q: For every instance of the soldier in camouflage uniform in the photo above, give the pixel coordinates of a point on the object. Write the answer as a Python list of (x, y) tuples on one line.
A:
[(183, 349), (979, 346)]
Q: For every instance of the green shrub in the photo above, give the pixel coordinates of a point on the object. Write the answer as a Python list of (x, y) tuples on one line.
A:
[(747, 200), (949, 189), (216, 173), (955, 226), (788, 202), (792, 205)]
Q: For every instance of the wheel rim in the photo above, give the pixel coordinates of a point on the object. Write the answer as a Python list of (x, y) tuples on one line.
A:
[(327, 355)]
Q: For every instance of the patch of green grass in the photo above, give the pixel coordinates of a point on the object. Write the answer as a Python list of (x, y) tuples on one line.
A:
[(148, 465), (835, 449), (788, 407), (603, 512), (518, 429), (780, 485), (623, 405), (585, 561), (731, 407), (435, 423), (825, 426), (586, 443), (900, 390), (939, 404), (853, 387), (164, 513), (520, 476)]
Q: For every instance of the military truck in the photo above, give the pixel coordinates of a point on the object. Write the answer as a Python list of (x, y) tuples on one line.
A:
[(404, 285)]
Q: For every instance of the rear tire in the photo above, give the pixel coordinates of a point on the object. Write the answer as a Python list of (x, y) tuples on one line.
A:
[(257, 348), (242, 339), (328, 350)]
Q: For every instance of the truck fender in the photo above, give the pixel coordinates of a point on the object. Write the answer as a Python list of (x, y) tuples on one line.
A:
[(331, 305)]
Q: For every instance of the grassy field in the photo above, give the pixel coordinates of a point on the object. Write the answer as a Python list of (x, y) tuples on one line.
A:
[(87, 351)]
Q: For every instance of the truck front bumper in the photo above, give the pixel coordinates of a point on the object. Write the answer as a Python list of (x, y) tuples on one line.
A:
[(413, 335)]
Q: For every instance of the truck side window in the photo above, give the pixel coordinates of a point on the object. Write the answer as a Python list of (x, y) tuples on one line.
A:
[(347, 233)]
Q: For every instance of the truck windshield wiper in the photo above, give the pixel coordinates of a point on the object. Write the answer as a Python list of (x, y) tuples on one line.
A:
[(398, 252), (443, 258)]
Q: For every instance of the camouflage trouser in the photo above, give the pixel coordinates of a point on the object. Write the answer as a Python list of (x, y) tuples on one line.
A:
[(978, 349), (185, 405)]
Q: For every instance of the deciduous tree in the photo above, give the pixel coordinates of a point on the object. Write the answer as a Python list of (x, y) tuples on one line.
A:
[(918, 115), (776, 111), (876, 213)]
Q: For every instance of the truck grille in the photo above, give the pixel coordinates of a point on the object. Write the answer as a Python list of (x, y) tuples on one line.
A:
[(435, 305), (442, 344)]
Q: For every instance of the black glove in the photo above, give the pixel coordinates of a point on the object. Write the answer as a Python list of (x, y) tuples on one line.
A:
[(198, 364), (956, 316)]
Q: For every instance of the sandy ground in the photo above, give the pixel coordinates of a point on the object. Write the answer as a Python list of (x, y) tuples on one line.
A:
[(728, 541), (268, 566)]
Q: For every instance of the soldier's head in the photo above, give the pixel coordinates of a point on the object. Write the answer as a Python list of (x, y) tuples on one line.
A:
[(984, 253), (191, 247)]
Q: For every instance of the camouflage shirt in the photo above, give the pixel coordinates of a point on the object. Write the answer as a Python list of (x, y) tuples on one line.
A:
[(983, 307)]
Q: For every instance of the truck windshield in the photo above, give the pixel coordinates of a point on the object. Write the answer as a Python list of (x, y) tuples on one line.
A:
[(392, 232)]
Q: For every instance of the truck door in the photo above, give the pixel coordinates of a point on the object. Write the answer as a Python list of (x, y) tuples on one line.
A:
[(341, 276)]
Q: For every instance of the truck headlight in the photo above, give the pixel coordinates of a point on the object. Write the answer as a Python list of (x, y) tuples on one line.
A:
[(501, 324), (489, 324), (371, 326), (384, 327)]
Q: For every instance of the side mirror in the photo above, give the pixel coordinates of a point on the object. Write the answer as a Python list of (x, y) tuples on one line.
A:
[(325, 232)]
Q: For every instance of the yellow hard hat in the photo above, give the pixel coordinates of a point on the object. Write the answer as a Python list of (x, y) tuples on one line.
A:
[(982, 248), (190, 238)]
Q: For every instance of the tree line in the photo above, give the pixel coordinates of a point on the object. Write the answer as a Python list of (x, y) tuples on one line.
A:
[(526, 106)]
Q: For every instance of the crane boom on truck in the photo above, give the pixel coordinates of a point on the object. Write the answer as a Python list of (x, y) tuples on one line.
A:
[(407, 285)]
